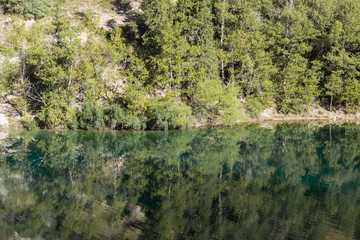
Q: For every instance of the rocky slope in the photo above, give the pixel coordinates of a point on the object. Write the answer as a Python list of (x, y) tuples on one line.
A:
[(8, 116)]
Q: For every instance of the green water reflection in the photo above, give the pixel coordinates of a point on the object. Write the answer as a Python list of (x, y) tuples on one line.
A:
[(288, 181)]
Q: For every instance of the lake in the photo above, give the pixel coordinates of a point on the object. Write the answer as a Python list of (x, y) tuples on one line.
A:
[(273, 181)]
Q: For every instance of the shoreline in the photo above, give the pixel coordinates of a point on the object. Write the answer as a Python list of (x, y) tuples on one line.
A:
[(17, 127), (268, 115), (279, 121)]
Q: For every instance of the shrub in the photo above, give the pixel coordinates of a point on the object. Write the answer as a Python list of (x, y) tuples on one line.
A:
[(230, 105), (117, 118), (33, 126), (97, 116), (28, 122), (168, 113), (25, 121), (134, 122), (20, 105), (218, 103), (56, 110), (29, 8), (254, 106), (73, 124), (136, 98), (114, 114), (92, 116)]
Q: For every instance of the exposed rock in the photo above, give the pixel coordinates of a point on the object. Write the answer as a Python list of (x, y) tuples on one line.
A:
[(268, 113), (14, 60), (110, 20), (29, 23), (137, 214), (3, 136), (221, 112), (3, 190), (83, 37), (7, 114), (4, 122), (17, 237), (159, 93)]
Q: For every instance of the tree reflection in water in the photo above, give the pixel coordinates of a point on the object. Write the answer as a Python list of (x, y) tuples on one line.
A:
[(286, 181)]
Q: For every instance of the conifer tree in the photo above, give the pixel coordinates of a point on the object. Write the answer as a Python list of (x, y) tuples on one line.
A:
[(291, 32), (203, 28)]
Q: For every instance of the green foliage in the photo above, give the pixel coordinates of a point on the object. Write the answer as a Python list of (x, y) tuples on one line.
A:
[(28, 122), (8, 74), (33, 126), (137, 98), (167, 114), (25, 121), (12, 76), (219, 104), (351, 95), (118, 118), (230, 108), (73, 124), (254, 107), (333, 87), (291, 55), (99, 115), (56, 110), (20, 104), (29, 8), (92, 116)]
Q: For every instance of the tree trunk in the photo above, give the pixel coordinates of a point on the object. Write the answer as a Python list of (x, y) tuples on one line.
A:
[(331, 101), (23, 66), (222, 40)]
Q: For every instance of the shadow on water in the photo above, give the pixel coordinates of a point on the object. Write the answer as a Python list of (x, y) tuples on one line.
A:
[(288, 181)]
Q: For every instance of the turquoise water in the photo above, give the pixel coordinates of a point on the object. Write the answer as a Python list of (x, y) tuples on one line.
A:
[(286, 181)]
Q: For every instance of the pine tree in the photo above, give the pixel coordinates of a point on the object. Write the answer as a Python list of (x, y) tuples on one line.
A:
[(291, 33), (160, 40), (203, 28), (342, 60), (29, 8), (242, 50)]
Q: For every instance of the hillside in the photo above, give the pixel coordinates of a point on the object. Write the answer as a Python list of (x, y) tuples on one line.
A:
[(123, 64)]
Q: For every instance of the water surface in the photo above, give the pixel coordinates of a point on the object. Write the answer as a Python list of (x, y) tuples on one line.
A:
[(286, 181)]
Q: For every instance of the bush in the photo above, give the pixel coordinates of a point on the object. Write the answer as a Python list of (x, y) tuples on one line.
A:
[(114, 113), (117, 118), (73, 124), (254, 106), (56, 110), (20, 105), (28, 122), (168, 113), (218, 103), (92, 116), (231, 106), (29, 8), (97, 116), (33, 126), (134, 122)]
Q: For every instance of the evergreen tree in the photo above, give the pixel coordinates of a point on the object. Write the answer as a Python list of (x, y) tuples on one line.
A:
[(291, 32), (29, 8), (245, 46), (342, 59)]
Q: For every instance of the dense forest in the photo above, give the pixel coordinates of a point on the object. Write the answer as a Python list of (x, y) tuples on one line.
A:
[(171, 63)]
